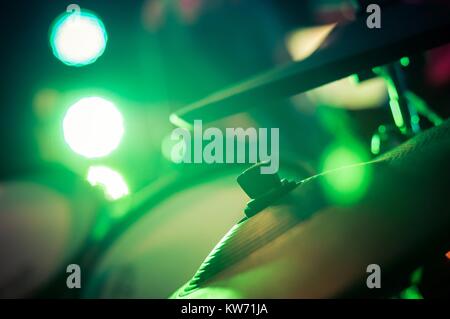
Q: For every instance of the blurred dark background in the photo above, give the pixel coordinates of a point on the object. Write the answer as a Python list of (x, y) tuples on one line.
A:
[(162, 55)]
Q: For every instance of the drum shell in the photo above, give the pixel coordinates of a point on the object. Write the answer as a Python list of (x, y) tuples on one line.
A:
[(45, 219), (160, 251)]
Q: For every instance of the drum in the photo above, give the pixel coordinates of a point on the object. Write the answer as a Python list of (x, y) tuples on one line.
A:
[(44, 221), (162, 248)]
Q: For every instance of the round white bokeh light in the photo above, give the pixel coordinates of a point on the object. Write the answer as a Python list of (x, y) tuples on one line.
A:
[(93, 127), (78, 39)]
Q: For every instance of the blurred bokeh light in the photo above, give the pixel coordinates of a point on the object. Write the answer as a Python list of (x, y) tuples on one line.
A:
[(112, 183), (348, 181), (78, 39), (93, 127)]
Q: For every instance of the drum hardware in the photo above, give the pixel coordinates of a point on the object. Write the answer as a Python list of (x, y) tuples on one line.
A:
[(389, 136), (349, 48), (405, 108), (263, 189), (404, 113)]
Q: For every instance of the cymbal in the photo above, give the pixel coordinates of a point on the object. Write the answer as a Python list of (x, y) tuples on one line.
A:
[(304, 246), (405, 29)]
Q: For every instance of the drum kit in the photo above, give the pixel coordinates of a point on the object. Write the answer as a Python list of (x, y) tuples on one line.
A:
[(284, 238)]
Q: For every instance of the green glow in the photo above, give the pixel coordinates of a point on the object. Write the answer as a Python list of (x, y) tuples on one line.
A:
[(346, 182), (398, 118), (422, 108), (113, 184), (392, 90), (78, 39), (377, 70), (416, 276), (404, 61), (101, 227), (375, 144), (93, 127), (411, 293), (415, 119)]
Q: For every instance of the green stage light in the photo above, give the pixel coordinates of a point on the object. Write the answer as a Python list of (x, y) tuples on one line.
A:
[(112, 183), (93, 127), (404, 61), (375, 144), (345, 185), (78, 39)]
